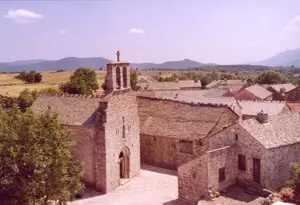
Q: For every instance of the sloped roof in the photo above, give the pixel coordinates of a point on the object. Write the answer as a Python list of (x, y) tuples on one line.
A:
[(189, 84), (71, 110), (250, 107), (163, 86), (294, 106), (280, 130), (146, 79), (195, 96), (225, 83), (174, 119), (259, 91), (288, 87)]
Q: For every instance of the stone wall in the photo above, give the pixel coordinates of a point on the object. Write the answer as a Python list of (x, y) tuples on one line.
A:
[(84, 138), (221, 158), (193, 180), (293, 95), (278, 162), (164, 151), (118, 129)]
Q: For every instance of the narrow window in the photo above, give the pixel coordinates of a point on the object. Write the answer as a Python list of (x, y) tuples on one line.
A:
[(242, 162), (118, 76), (236, 137), (222, 174), (186, 146), (123, 131), (124, 77)]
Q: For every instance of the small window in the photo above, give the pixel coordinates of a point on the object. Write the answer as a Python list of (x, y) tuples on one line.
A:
[(236, 137), (222, 174), (186, 146), (242, 162)]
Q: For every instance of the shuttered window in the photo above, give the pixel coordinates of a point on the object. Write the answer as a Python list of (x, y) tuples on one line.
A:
[(186, 146), (222, 174), (242, 162)]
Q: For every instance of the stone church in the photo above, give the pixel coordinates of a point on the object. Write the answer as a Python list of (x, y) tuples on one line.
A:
[(106, 130)]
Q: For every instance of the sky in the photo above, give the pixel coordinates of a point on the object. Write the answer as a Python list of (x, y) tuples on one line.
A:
[(207, 31)]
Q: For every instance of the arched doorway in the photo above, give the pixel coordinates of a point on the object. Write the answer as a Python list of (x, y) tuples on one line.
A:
[(124, 160)]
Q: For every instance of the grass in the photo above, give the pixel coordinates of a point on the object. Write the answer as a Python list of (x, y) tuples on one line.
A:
[(10, 86)]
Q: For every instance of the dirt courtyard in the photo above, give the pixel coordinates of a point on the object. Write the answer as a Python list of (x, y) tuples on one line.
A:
[(154, 186)]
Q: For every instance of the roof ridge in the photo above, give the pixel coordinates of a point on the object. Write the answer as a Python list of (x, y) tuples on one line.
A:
[(266, 101), (69, 95), (187, 103)]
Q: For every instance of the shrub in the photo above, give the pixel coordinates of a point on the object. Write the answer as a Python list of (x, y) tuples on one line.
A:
[(30, 77)]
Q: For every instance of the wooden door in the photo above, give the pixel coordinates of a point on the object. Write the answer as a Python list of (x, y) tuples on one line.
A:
[(256, 170)]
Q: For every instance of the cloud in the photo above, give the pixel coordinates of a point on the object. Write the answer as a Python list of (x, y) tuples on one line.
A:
[(62, 32), (294, 23), (136, 31), (23, 16)]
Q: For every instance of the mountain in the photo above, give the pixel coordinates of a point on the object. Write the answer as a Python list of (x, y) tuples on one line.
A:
[(286, 58), (186, 63), (24, 62), (71, 63)]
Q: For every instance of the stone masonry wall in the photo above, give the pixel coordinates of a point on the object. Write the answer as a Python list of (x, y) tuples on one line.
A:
[(193, 180), (121, 129), (164, 152), (84, 138), (278, 162), (245, 145), (221, 158)]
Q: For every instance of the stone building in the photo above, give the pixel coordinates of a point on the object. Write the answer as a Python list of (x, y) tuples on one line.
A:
[(257, 152), (279, 90), (173, 132), (293, 95), (250, 108), (106, 129), (254, 92)]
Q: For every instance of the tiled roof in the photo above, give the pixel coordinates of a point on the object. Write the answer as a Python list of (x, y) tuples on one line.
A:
[(168, 118), (189, 84), (70, 110), (225, 83), (163, 86), (259, 91), (250, 107), (280, 130), (196, 96), (146, 79), (294, 106), (287, 87)]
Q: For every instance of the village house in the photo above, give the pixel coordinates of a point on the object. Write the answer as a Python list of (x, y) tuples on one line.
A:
[(254, 92), (250, 108), (257, 152), (293, 95), (280, 90), (173, 132)]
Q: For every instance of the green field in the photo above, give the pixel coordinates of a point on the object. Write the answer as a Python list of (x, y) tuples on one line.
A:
[(12, 87)]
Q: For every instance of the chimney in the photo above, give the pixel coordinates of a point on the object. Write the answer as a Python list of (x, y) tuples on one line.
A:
[(282, 91), (262, 117)]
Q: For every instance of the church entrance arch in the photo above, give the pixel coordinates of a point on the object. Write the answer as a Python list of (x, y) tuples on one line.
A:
[(124, 160)]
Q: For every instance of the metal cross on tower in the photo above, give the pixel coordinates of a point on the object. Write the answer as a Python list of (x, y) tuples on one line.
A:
[(118, 56)]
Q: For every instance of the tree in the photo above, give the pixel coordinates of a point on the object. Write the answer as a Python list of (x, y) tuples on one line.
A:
[(133, 79), (26, 99), (270, 77), (295, 177), (83, 81), (298, 81), (31, 77), (49, 91), (204, 81), (37, 159)]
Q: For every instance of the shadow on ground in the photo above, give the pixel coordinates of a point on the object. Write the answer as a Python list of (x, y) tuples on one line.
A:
[(159, 170)]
